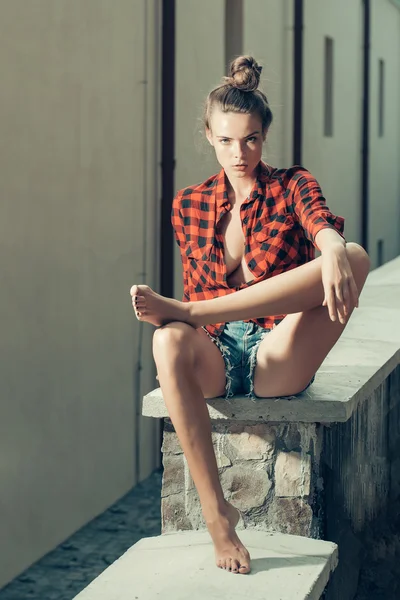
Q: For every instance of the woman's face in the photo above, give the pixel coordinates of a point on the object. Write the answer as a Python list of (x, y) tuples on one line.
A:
[(238, 140)]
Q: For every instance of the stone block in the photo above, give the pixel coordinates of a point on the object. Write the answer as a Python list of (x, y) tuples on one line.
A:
[(253, 442), (291, 436), (292, 474), (173, 514), (291, 515), (246, 488), (219, 444), (174, 475), (170, 443), (189, 483), (181, 512)]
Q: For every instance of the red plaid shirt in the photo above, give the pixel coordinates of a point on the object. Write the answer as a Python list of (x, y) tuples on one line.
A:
[(280, 219)]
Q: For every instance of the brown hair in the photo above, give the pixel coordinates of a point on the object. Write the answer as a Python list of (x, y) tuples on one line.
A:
[(238, 93)]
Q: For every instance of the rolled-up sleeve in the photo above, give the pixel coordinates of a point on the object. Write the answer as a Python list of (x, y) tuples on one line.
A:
[(177, 221), (310, 206), (177, 224)]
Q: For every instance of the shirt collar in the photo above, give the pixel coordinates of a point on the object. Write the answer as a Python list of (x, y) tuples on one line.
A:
[(221, 193)]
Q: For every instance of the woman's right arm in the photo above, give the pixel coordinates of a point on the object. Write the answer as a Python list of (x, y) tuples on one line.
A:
[(177, 224)]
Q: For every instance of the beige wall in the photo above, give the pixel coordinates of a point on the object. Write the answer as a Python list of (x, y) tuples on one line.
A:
[(77, 155), (147, 440), (267, 35), (200, 65), (335, 161), (384, 199)]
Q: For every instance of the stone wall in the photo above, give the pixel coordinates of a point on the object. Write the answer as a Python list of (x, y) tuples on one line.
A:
[(361, 470), (270, 472)]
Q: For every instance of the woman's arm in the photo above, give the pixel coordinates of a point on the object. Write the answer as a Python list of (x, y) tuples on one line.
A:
[(328, 239), (325, 231), (309, 205), (177, 224), (341, 293)]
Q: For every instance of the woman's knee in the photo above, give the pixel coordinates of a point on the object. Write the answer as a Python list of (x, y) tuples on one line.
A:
[(359, 259), (171, 339)]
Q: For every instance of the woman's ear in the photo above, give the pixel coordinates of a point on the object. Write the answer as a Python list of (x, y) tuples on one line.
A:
[(209, 136)]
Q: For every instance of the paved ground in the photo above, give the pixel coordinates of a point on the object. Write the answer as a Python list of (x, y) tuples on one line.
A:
[(61, 574)]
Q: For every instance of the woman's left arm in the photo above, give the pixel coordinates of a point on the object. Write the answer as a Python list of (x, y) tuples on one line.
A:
[(340, 290), (325, 231)]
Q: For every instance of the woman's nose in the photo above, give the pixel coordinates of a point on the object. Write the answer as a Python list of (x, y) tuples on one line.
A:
[(238, 151)]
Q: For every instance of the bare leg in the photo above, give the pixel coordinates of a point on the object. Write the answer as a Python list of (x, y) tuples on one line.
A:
[(295, 291), (298, 346), (185, 357)]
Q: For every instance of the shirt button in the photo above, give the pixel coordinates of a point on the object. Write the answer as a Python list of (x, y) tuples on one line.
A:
[(246, 220)]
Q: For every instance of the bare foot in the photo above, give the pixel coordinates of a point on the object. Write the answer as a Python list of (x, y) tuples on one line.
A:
[(230, 554), (158, 310)]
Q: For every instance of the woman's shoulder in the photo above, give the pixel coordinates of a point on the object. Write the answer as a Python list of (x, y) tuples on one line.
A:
[(287, 173), (197, 190), (288, 177)]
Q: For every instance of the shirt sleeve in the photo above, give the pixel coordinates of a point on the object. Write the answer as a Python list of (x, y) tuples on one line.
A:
[(177, 224), (177, 220), (310, 205)]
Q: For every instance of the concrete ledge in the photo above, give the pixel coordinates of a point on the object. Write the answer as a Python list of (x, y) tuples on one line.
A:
[(367, 352), (182, 565)]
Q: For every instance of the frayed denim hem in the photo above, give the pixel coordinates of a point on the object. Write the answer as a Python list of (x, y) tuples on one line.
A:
[(250, 376), (226, 354), (240, 376), (252, 366)]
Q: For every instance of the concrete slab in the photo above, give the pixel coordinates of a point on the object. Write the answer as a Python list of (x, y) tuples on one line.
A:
[(351, 372), (181, 566), (373, 323), (387, 274), (381, 296)]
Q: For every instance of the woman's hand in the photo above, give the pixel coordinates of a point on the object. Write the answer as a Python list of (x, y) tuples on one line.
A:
[(341, 293)]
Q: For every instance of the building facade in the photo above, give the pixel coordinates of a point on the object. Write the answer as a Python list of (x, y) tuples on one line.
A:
[(82, 124)]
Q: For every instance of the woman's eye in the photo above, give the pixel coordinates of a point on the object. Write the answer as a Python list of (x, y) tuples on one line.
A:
[(252, 139), (224, 141)]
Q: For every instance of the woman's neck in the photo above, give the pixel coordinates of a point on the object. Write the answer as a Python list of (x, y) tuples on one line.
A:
[(240, 187), (238, 190)]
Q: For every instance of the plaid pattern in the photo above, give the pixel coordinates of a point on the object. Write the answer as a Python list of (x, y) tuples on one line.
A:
[(280, 219)]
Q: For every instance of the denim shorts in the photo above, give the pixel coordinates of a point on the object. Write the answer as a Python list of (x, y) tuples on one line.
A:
[(238, 344)]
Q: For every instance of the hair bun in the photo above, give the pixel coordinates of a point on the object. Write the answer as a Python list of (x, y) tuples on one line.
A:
[(245, 74)]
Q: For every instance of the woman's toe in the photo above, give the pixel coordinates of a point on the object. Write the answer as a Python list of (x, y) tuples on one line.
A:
[(235, 566), (244, 568)]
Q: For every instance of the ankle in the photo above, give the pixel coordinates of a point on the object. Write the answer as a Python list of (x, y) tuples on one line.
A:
[(216, 511)]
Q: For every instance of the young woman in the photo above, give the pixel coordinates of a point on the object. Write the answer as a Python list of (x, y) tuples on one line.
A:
[(260, 312)]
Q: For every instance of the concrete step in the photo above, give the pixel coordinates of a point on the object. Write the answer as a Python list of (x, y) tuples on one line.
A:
[(181, 566)]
